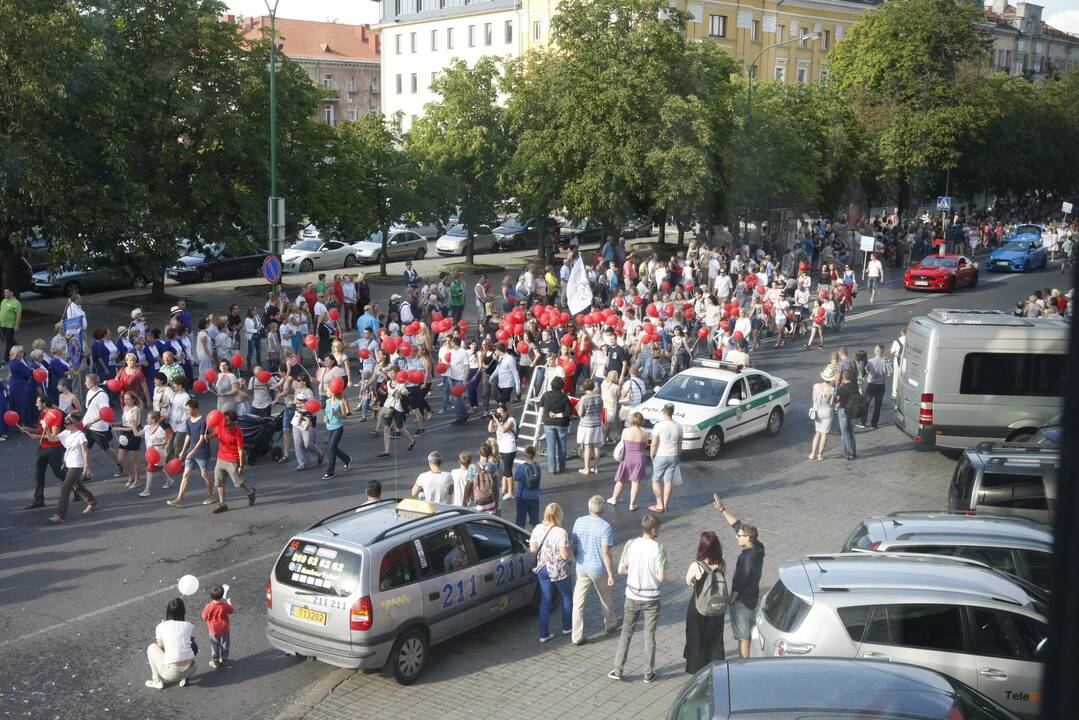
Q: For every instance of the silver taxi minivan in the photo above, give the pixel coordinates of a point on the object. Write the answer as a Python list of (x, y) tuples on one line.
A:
[(969, 376), (955, 616), (377, 585)]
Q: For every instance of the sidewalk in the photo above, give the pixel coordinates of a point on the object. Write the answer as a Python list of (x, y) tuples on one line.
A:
[(501, 671)]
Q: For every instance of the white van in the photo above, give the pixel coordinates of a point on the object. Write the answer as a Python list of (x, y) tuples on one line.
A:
[(968, 376)]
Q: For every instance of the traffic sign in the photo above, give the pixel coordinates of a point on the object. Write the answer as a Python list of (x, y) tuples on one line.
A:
[(271, 269), (1066, 208), (944, 202)]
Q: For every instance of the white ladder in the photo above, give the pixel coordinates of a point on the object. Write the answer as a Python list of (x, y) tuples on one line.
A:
[(529, 427)]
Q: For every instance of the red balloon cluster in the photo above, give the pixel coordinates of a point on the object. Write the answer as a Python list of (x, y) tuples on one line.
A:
[(441, 325), (412, 328), (402, 376), (417, 377), (389, 345)]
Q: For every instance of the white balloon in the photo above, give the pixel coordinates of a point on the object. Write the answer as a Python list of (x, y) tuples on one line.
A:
[(188, 585)]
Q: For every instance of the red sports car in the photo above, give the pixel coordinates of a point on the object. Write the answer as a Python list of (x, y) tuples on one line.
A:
[(941, 273)]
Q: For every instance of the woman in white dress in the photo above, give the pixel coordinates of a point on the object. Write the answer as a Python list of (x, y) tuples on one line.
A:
[(821, 412)]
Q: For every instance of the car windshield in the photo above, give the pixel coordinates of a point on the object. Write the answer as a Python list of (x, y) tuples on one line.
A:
[(512, 223), (308, 245), (1016, 246), (1029, 230), (693, 389), (936, 261), (577, 225), (458, 231)]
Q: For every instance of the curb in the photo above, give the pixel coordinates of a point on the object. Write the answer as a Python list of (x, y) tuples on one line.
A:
[(310, 698)]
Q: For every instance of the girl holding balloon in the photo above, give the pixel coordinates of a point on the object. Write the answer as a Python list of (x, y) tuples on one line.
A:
[(156, 447), (129, 437), (225, 386), (335, 411)]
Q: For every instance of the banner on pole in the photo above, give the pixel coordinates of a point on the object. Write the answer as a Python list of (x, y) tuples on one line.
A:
[(578, 291)]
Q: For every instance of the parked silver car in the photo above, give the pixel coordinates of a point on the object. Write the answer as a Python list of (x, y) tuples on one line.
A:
[(959, 617), (1017, 546), (1007, 479), (375, 586), (455, 241), (402, 245)]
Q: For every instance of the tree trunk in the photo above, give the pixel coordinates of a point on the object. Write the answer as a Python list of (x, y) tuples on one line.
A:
[(9, 263), (385, 246), (470, 246), (681, 233), (157, 289), (663, 228)]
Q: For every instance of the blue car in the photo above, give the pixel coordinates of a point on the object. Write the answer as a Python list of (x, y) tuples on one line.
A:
[(1022, 252)]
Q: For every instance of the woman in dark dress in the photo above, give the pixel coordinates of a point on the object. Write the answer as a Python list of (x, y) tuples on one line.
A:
[(23, 387), (704, 633)]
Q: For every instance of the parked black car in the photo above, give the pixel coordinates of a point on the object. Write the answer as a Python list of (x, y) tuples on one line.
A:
[(215, 262), (24, 273), (99, 274), (513, 234), (637, 227), (581, 232)]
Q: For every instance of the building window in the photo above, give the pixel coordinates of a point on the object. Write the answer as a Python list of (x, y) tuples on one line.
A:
[(717, 25), (825, 39), (412, 43), (472, 36), (755, 32), (328, 83), (441, 4), (753, 71), (804, 41), (327, 115), (488, 34), (509, 31), (397, 43), (433, 76), (449, 38), (536, 30), (396, 7), (779, 32), (801, 74), (419, 6), (398, 79), (781, 73), (351, 115), (414, 83)]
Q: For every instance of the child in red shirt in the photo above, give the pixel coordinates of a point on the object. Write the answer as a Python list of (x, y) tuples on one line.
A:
[(216, 614)]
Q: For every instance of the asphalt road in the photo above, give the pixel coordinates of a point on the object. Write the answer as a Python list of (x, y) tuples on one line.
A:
[(79, 602)]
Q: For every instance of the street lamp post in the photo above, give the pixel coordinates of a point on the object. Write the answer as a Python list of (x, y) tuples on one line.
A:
[(275, 210)]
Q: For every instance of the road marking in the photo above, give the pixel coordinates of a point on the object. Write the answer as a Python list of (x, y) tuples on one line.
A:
[(145, 596), (915, 301)]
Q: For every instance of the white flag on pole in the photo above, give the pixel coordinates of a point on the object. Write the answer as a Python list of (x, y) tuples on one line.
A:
[(578, 291)]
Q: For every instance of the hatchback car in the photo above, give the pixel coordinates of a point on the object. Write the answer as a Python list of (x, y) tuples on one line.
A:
[(402, 245), (1013, 545), (943, 273), (832, 688), (377, 585), (455, 241), (959, 617), (1006, 479), (1018, 255)]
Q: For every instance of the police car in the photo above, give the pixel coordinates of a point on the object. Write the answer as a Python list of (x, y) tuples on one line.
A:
[(375, 586), (717, 401)]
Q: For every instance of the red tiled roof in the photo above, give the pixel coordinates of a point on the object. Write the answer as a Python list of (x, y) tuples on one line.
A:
[(310, 39)]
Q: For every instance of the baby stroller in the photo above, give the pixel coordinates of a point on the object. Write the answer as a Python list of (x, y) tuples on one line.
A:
[(259, 435)]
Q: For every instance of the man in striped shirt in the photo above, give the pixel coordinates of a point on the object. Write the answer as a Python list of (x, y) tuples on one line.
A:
[(644, 563)]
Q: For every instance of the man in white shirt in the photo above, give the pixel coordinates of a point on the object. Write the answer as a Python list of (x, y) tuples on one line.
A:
[(98, 431), (875, 274), (644, 563), (405, 310), (722, 287), (435, 485), (458, 373), (507, 379), (348, 296)]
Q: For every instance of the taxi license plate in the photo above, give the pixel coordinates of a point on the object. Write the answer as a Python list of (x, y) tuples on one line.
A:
[(921, 282), (316, 617)]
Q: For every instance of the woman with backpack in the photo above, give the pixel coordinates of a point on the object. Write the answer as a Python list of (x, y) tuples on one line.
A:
[(707, 605)]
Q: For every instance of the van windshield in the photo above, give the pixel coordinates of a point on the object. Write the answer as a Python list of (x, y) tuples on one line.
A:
[(319, 569)]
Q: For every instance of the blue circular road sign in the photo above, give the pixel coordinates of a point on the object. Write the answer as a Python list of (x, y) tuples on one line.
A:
[(271, 269)]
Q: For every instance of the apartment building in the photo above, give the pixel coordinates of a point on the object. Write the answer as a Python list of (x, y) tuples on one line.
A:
[(343, 60), (1023, 44)]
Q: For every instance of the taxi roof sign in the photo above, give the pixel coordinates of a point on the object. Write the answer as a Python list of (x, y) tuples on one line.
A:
[(414, 505)]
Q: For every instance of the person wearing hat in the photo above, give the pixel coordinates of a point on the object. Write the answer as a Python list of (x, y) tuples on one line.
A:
[(77, 462), (821, 412), (138, 321), (174, 316)]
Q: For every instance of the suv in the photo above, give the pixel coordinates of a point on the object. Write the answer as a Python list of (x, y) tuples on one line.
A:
[(375, 586), (818, 688), (1006, 479), (1013, 545), (958, 617)]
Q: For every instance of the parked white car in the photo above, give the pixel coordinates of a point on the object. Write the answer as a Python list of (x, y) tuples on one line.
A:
[(308, 255), (455, 241)]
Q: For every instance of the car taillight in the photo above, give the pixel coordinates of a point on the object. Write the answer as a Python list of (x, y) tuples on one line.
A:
[(269, 595), (874, 545), (360, 616), (925, 409)]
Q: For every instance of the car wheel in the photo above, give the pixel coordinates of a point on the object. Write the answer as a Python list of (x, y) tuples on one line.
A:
[(974, 280), (207, 276), (951, 285), (1022, 435), (519, 244), (350, 261), (408, 656), (307, 266), (775, 421), (139, 282), (713, 443), (71, 288), (421, 253)]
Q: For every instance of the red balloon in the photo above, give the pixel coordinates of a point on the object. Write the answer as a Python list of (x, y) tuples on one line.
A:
[(638, 300), (738, 335), (387, 346), (312, 406), (457, 390), (11, 418), (645, 339), (688, 313), (751, 280), (724, 326), (310, 341), (518, 329), (719, 353), (337, 385), (335, 314), (402, 376), (648, 328), (107, 414), (702, 333), (153, 456), (567, 340), (580, 319), (436, 316), (411, 329), (621, 302), (463, 326), (365, 354), (263, 376), (760, 290), (502, 335), (200, 386), (668, 309), (569, 368), (214, 418), (652, 310), (664, 286), (40, 375), (689, 287), (237, 360), (210, 375), (441, 368), (522, 347), (114, 385), (404, 349), (564, 318), (53, 418), (416, 376), (174, 466)]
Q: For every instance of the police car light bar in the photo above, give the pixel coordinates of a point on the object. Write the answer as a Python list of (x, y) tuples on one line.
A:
[(718, 364)]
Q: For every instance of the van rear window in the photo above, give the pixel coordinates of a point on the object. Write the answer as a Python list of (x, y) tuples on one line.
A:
[(783, 609), (1016, 374), (1013, 490), (320, 569)]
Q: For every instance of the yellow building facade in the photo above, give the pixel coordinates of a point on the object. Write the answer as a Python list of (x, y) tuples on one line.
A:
[(747, 30)]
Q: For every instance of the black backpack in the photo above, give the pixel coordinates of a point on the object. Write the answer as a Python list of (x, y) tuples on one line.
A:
[(855, 402), (532, 476)]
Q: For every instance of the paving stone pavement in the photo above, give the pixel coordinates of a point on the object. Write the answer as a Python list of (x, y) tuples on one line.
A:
[(501, 671)]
